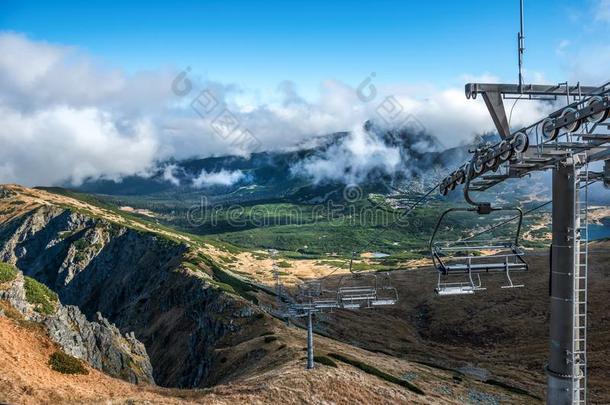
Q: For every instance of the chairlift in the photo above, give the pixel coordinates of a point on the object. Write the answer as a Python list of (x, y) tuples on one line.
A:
[(458, 288), (386, 293), (320, 298), (468, 258), (357, 290), (365, 290), (326, 299)]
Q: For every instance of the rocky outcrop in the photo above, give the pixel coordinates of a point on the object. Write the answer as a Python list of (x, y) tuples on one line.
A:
[(137, 281), (6, 193), (99, 343)]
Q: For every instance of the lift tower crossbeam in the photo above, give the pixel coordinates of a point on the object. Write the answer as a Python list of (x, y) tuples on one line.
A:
[(494, 93)]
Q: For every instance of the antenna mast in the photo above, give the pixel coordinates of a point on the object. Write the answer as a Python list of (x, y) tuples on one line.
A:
[(520, 46)]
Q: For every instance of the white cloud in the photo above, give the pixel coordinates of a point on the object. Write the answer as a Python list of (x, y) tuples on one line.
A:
[(67, 118), (220, 178), (39, 75), (351, 160), (587, 59), (73, 144), (169, 174), (590, 65)]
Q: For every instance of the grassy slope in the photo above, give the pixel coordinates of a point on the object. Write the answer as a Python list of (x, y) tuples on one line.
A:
[(306, 230), (375, 230), (193, 260), (502, 330)]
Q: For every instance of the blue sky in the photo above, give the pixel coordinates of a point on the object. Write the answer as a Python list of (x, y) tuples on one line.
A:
[(259, 43)]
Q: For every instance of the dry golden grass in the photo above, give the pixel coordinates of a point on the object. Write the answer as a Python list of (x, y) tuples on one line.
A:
[(26, 378)]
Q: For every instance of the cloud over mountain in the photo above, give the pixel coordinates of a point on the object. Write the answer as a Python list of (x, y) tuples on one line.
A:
[(67, 117), (350, 160), (220, 178)]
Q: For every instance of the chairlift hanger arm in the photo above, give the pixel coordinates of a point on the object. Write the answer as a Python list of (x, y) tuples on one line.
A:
[(482, 207), (495, 105)]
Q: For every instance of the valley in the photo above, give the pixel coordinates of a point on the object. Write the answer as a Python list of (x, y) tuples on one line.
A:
[(206, 329), (199, 305), (195, 286)]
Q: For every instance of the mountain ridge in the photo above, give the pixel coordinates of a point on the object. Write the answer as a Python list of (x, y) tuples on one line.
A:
[(282, 171)]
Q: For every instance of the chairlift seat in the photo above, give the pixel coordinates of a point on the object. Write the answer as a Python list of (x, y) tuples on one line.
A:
[(357, 290), (326, 303), (460, 288), (355, 297), (382, 302), (497, 266), (357, 294), (359, 297), (365, 291), (440, 247), (455, 290)]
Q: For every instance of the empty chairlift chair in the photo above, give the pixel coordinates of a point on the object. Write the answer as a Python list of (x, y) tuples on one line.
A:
[(386, 294), (365, 290), (357, 291), (325, 299), (310, 289), (464, 260)]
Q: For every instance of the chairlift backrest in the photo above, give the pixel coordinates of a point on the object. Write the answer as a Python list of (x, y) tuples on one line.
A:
[(386, 292), (357, 290), (496, 249)]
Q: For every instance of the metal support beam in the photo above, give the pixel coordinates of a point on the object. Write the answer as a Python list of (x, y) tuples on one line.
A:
[(495, 105), (473, 89), (559, 368), (309, 341)]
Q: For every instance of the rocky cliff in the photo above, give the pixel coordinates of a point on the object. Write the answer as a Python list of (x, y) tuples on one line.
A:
[(99, 343), (154, 287)]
